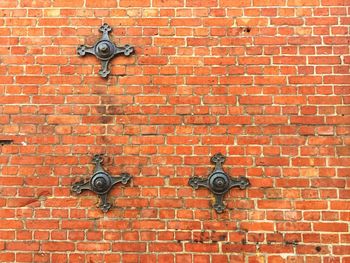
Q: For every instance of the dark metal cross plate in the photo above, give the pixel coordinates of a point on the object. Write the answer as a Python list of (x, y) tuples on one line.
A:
[(218, 182), (100, 183), (105, 50)]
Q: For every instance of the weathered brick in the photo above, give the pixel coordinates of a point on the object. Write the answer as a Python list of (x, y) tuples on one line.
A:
[(264, 82)]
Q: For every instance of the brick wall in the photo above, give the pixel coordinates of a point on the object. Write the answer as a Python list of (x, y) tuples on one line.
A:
[(265, 82)]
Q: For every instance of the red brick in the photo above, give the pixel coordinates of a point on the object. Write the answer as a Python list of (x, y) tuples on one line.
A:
[(335, 2), (324, 60), (293, 226), (174, 3), (153, 60), (257, 226), (234, 3), (343, 79), (42, 224), (58, 246), (305, 80), (311, 205), (243, 77), (63, 119), (148, 224), (270, 119), (331, 227), (198, 3), (289, 60), (236, 80), (200, 120), (165, 247), (269, 2), (182, 21), (341, 250), (235, 120), (93, 246), (67, 3), (23, 246), (152, 21), (208, 248), (102, 3), (76, 224), (270, 80), (303, 2), (274, 204), (27, 160), (276, 249), (169, 42), (7, 257), (321, 21), (129, 247), (340, 205), (307, 120), (31, 79), (288, 140), (255, 100), (237, 248), (254, 60), (287, 20)]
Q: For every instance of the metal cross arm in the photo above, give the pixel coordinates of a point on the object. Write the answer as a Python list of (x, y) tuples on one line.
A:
[(218, 182), (105, 50), (101, 183)]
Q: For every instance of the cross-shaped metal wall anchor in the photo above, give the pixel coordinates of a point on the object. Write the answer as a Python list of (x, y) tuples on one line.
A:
[(219, 182), (105, 50), (100, 183)]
